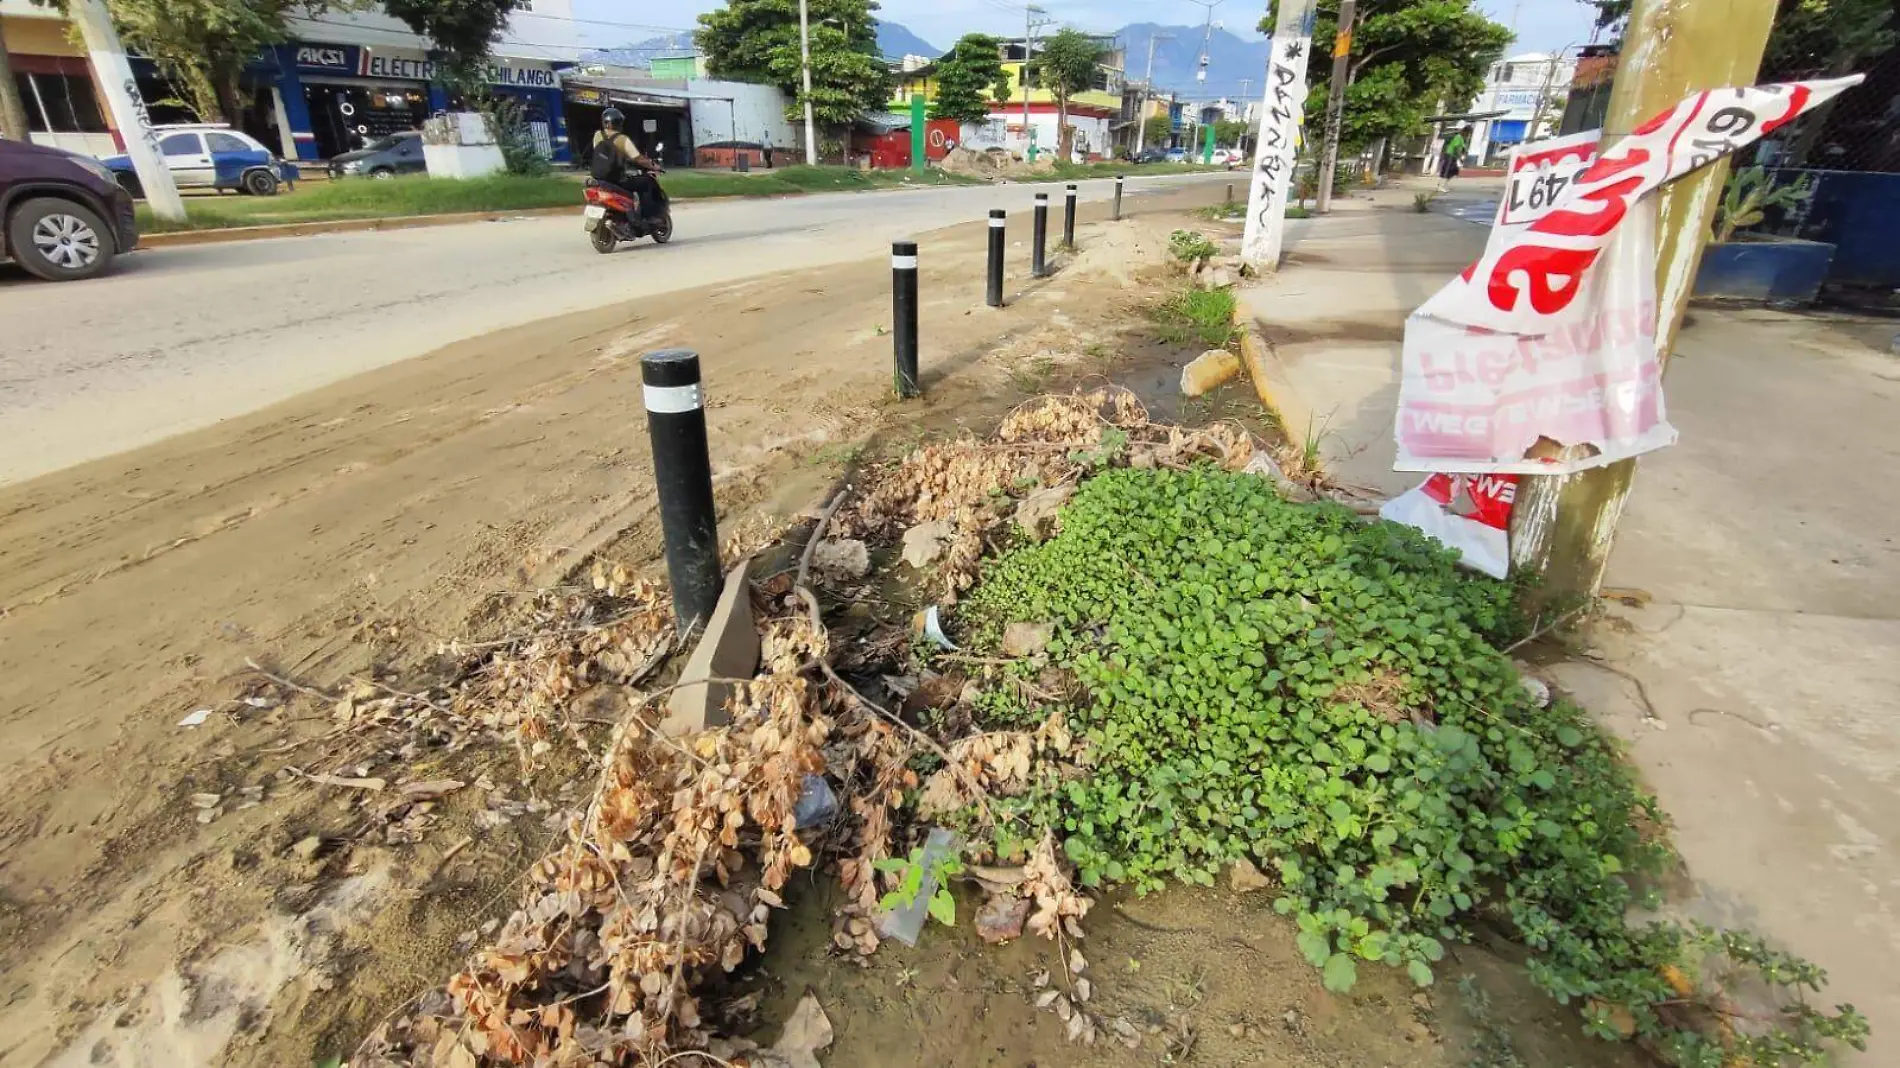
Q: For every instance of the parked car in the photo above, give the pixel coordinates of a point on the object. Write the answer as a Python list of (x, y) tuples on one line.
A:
[(1152, 155), (211, 156), (386, 157), (1177, 155), (62, 216)]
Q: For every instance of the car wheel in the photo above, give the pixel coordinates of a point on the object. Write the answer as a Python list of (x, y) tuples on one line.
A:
[(382, 174), (603, 238), (260, 183), (59, 240)]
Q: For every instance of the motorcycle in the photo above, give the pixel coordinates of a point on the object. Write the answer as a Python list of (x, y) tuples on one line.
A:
[(613, 215)]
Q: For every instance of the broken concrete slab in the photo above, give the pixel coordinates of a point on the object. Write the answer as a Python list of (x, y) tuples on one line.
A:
[(1208, 370), (728, 648)]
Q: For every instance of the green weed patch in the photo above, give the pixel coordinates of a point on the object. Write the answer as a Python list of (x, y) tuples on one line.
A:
[(1325, 698)]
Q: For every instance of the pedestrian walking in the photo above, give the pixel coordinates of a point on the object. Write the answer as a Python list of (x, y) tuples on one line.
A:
[(1455, 147), (765, 147)]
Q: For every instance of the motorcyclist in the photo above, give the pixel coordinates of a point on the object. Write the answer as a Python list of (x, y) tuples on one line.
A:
[(634, 170)]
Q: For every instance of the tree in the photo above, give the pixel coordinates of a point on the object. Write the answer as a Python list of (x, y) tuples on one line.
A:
[(463, 31), (1066, 67), (1157, 130), (968, 78), (202, 46), (1229, 132), (12, 110), (1408, 58), (757, 41)]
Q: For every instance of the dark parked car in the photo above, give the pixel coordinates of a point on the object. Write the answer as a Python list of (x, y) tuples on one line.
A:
[(1152, 155), (62, 216), (385, 157)]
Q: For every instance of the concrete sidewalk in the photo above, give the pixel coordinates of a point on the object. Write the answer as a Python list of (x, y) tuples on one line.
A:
[(1758, 679), (1334, 316)]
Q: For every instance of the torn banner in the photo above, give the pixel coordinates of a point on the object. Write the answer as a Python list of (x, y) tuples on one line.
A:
[(1551, 336)]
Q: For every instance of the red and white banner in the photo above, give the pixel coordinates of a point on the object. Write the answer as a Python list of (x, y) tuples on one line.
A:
[(1471, 515), (1551, 335)]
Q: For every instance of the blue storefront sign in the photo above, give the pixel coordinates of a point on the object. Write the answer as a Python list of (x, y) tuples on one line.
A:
[(332, 104)]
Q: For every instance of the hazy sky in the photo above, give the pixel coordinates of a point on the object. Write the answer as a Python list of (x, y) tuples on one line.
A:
[(1542, 25)]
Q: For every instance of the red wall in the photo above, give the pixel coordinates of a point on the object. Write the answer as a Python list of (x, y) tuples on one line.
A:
[(890, 150)]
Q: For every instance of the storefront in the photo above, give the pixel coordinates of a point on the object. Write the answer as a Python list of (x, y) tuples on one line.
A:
[(654, 116), (342, 97)]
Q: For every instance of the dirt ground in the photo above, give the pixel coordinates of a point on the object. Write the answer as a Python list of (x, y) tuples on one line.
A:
[(348, 533)]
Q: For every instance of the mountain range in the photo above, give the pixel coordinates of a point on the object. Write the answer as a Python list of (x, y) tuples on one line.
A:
[(1231, 58)]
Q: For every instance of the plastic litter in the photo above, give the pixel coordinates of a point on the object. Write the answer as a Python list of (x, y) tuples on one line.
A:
[(906, 922), (196, 719), (933, 629), (816, 802)]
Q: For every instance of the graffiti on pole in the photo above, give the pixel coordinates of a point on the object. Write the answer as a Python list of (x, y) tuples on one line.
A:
[(1276, 152), (142, 113)]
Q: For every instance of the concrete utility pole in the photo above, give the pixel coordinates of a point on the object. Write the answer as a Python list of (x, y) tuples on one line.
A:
[(1335, 104), (1147, 94), (804, 70), (114, 75), (1275, 150), (1563, 526), (12, 108), (1030, 11)]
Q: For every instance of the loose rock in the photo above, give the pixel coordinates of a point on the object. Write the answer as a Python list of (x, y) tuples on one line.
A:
[(1245, 878), (1026, 639), (1001, 918), (924, 542)]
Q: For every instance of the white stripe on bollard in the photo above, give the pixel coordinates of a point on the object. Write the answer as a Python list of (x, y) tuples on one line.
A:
[(904, 263), (995, 223), (672, 400)]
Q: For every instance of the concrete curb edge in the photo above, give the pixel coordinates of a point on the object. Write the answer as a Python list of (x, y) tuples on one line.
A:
[(1271, 383), (173, 238)]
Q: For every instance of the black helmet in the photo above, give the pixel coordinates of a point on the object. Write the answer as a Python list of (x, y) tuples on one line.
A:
[(613, 120)]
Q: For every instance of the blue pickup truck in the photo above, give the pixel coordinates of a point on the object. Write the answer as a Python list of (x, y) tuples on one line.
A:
[(205, 156)]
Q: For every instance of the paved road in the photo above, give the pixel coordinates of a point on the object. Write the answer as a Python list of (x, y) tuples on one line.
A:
[(179, 338)]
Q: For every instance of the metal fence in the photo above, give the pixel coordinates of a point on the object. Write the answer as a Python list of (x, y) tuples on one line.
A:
[(1860, 129)]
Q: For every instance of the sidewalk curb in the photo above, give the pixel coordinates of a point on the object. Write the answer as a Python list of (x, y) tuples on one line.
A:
[(1271, 383), (172, 238)]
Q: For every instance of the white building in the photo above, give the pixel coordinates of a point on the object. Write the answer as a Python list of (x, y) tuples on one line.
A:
[(1518, 86)]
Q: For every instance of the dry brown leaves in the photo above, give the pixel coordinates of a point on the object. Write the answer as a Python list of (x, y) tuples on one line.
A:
[(995, 763), (974, 484), (667, 880)]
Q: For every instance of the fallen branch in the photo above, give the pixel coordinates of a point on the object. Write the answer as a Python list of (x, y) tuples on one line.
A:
[(288, 683), (817, 535)]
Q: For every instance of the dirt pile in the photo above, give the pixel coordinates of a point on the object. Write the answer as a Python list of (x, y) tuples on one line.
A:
[(994, 163)]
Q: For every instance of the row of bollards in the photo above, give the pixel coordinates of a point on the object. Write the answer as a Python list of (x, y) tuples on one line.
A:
[(676, 411)]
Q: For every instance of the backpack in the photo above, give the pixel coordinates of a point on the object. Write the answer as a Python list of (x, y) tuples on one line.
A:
[(606, 164)]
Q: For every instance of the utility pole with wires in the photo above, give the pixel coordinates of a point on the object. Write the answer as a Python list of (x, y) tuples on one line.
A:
[(1563, 526), (1030, 24), (1335, 105), (1147, 93), (804, 65), (1207, 37)]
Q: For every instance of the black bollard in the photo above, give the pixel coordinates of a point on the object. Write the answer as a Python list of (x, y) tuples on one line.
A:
[(682, 470), (1068, 218), (904, 316), (1038, 260), (994, 293), (1116, 215)]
